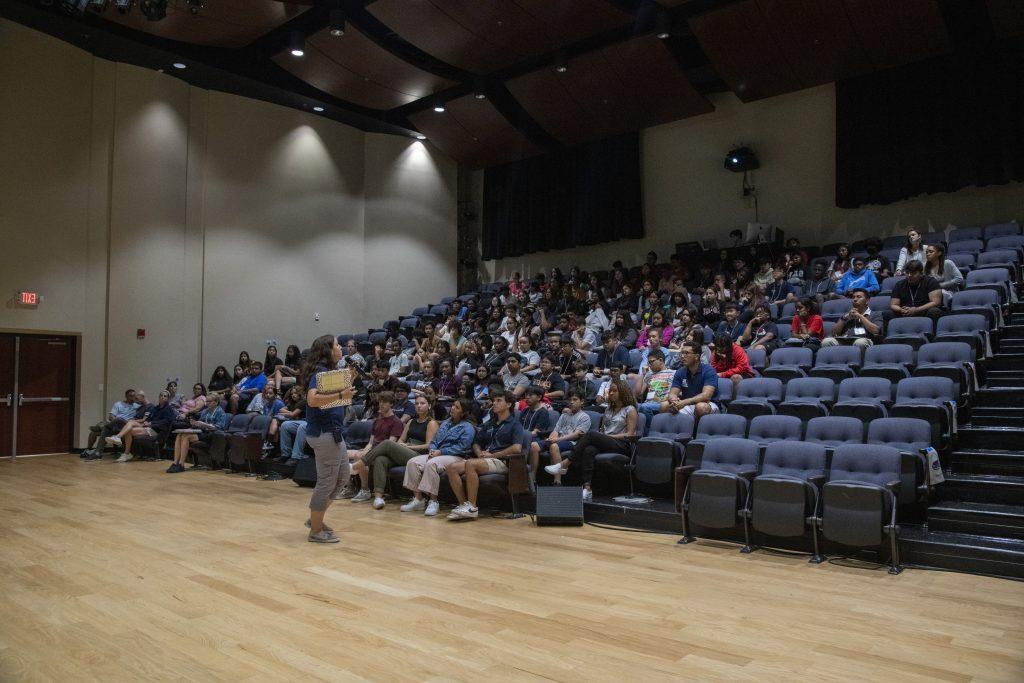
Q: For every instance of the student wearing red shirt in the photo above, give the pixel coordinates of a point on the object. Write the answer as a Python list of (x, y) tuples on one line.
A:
[(729, 359), (387, 426), (807, 328)]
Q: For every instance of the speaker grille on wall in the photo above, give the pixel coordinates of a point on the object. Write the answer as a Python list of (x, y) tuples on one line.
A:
[(559, 506)]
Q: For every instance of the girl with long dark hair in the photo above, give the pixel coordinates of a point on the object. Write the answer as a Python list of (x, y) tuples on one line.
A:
[(287, 373), (323, 434), (220, 380)]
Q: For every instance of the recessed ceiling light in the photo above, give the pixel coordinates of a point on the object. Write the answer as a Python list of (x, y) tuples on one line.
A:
[(297, 44), (439, 107), (318, 108), (337, 22), (421, 136), (178, 65)]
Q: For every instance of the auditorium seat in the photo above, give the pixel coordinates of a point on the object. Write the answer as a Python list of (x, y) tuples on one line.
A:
[(863, 398), (962, 234), (836, 362), (757, 358), (214, 453), (808, 397), (915, 331), (1008, 242), (834, 431), (788, 363), (970, 328), (658, 453), (719, 488), (974, 246), (785, 494), (999, 258), (615, 466), (246, 447), (996, 279), (909, 436), (859, 499), (932, 399), (834, 309), (714, 426), (358, 433), (755, 396), (965, 262), (765, 429), (891, 361), (948, 359), (1001, 229), (982, 301), (786, 313), (886, 285)]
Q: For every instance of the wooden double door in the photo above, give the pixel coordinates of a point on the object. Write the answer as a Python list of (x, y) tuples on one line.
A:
[(37, 400)]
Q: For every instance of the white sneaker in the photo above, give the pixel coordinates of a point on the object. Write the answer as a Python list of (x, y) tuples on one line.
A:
[(346, 492), (414, 505), (433, 507), (588, 495), (378, 503), (363, 496), (464, 511), (125, 457), (556, 468), (113, 441)]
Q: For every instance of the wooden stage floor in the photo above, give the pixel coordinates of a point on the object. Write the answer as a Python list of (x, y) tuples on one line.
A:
[(123, 573)]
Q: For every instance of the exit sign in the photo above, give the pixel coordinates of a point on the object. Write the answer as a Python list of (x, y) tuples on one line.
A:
[(28, 298)]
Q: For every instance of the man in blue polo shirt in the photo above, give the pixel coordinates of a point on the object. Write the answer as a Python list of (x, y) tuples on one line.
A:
[(501, 437), (694, 386), (252, 384)]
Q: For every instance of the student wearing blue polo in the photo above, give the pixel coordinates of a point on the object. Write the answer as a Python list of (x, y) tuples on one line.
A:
[(501, 437), (694, 386)]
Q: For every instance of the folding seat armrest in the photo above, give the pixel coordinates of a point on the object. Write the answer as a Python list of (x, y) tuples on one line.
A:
[(683, 473)]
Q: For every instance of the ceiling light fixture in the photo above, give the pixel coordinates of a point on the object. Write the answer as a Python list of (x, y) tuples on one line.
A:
[(561, 63), (178, 65), (318, 108), (479, 89), (297, 44), (337, 22), (421, 136), (439, 106), (663, 25)]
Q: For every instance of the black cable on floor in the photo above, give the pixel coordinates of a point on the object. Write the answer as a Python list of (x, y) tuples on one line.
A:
[(626, 528)]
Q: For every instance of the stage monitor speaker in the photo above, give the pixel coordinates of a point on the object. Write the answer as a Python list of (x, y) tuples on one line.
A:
[(559, 506)]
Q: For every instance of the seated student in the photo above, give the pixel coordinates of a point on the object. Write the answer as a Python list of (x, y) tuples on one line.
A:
[(694, 386), (529, 359), (239, 375), (567, 356), (779, 291), (398, 360), (248, 388), (386, 426), (581, 383), (655, 322), (388, 453), (294, 409), (120, 413), (614, 372), (452, 444), (820, 285), (597, 320), (731, 324), (154, 418), (807, 328), (710, 311), (266, 402), (271, 361), (761, 332), (729, 360), (447, 383), (796, 269), (536, 417), (427, 378), (584, 338), (495, 442), (220, 380), (876, 262), (352, 357), (653, 385), (943, 270), (656, 344), (623, 329), (612, 353), (858, 277), (858, 326), (514, 379), (550, 381), (616, 434), (498, 356), (482, 381), (404, 408), (573, 423), (915, 295), (172, 392), (287, 373), (913, 250), (191, 407), (208, 421)]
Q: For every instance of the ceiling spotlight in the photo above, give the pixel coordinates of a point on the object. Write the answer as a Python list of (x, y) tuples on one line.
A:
[(195, 5), (318, 108), (124, 6), (297, 44), (421, 136), (439, 106), (663, 25), (178, 65), (154, 10), (741, 160), (337, 22), (561, 63), (479, 89)]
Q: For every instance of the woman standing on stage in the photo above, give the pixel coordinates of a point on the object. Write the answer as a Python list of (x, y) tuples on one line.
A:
[(323, 434)]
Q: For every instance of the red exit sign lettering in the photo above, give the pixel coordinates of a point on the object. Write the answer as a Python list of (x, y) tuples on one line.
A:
[(28, 298)]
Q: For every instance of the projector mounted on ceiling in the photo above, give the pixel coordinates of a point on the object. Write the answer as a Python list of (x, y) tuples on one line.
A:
[(741, 159)]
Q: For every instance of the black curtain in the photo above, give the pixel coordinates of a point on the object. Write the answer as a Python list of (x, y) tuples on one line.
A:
[(583, 195), (934, 126)]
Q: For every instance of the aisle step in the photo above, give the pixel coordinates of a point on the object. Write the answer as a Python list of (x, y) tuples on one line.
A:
[(982, 488), (987, 461), (984, 519), (962, 552)]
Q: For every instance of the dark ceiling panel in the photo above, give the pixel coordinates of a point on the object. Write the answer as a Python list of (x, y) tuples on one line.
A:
[(483, 36), (737, 41), (223, 23), (629, 85), (1007, 17), (473, 132), (763, 48), (354, 68)]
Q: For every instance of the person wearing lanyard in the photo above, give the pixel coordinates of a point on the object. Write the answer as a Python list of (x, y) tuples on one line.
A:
[(323, 434)]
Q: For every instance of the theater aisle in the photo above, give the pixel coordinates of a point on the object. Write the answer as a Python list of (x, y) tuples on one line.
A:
[(121, 572)]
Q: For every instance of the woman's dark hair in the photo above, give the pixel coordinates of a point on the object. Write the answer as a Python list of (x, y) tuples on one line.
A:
[(267, 358), (201, 386), (920, 237), (319, 356), (696, 334), (468, 410), (810, 304), (219, 371), (292, 355), (723, 346), (939, 267), (245, 363)]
